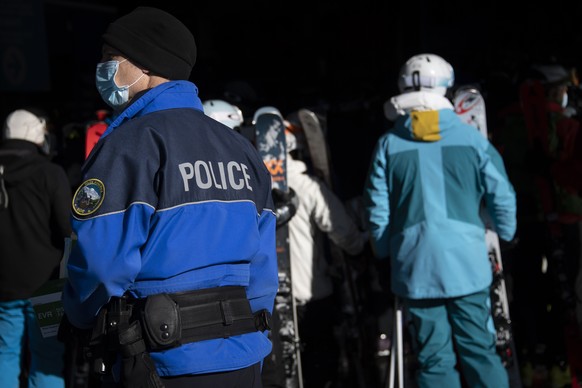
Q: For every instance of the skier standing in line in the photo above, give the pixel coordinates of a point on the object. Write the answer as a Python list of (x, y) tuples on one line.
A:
[(35, 198), (273, 371), (320, 213), (427, 179), (553, 166)]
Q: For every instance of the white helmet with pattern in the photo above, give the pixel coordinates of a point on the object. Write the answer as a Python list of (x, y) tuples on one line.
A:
[(25, 125), (221, 111), (427, 72)]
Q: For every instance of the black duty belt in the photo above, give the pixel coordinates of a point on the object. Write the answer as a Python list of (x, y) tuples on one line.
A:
[(170, 320)]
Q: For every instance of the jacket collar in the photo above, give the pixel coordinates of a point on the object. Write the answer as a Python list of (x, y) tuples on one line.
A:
[(414, 101), (169, 95)]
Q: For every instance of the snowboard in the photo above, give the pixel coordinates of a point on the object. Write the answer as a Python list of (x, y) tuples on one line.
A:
[(317, 145), (469, 105), (271, 144), (349, 333)]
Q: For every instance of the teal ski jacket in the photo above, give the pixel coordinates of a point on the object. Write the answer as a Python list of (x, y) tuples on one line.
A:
[(174, 201), (427, 179)]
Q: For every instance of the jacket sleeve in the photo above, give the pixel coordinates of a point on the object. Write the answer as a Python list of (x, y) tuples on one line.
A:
[(106, 258), (264, 279), (500, 199), (377, 203), (264, 275), (332, 218)]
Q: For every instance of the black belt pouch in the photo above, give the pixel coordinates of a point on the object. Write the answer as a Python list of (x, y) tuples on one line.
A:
[(161, 321)]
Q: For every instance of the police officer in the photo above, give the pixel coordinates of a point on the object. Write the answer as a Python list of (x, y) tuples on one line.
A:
[(175, 254)]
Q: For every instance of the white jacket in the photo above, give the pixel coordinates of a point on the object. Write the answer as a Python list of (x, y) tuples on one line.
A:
[(320, 211)]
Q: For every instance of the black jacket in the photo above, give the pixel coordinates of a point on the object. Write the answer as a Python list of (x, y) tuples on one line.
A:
[(33, 227)]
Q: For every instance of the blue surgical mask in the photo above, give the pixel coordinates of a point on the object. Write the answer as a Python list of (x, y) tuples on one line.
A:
[(115, 96)]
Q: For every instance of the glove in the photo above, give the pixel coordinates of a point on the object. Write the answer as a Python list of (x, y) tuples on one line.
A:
[(138, 369), (286, 204)]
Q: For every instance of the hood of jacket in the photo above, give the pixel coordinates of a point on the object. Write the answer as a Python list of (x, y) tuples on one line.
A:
[(421, 116), (19, 159), (295, 167), (414, 101)]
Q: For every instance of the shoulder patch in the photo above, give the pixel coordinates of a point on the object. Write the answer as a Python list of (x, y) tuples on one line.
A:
[(88, 197)]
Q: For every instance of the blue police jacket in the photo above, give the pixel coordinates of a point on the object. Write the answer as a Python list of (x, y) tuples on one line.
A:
[(173, 201), (427, 180)]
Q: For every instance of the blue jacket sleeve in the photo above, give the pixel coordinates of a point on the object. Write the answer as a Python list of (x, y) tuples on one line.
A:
[(106, 258), (264, 280), (376, 201), (500, 199), (104, 261)]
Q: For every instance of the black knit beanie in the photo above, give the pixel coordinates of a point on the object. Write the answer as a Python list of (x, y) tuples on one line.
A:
[(155, 40)]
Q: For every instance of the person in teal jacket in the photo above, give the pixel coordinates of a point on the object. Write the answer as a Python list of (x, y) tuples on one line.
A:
[(428, 178), (175, 259)]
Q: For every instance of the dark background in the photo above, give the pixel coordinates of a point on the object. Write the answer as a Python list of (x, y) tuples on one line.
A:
[(339, 58)]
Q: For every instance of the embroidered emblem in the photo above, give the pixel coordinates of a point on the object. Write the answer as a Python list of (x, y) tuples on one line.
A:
[(88, 197)]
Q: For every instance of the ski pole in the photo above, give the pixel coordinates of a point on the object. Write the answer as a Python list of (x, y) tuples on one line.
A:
[(397, 351), (392, 359), (297, 344), (399, 347)]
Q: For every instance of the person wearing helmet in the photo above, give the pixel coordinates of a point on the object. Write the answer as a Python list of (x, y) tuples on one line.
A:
[(221, 111), (286, 203), (174, 271), (553, 161), (35, 200), (320, 215), (427, 179)]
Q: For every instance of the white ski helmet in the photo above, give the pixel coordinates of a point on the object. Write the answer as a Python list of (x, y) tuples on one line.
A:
[(25, 125), (427, 72), (553, 74), (221, 111), (266, 110)]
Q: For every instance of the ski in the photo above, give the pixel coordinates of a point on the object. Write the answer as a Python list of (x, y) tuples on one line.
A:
[(317, 144), (469, 105), (270, 142)]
